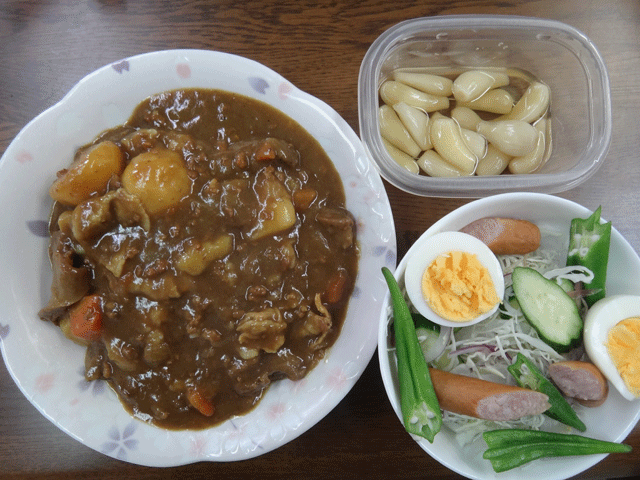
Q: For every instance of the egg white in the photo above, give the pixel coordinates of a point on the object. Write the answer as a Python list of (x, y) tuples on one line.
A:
[(601, 317), (427, 249)]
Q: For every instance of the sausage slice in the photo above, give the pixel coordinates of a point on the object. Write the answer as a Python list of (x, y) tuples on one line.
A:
[(580, 380), (505, 236), (485, 400)]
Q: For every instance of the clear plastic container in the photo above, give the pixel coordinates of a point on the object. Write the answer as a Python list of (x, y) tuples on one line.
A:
[(553, 52)]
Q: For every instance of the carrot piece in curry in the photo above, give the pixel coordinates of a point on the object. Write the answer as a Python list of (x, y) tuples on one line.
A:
[(265, 152), (86, 318), (200, 402), (303, 198), (335, 288)]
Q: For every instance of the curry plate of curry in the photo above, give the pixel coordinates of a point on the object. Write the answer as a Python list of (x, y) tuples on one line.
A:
[(206, 245)]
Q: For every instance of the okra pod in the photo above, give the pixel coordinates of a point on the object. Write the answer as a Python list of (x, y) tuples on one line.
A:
[(527, 375), (510, 448), (420, 408)]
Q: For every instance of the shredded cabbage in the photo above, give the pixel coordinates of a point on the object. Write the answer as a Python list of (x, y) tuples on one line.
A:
[(486, 349)]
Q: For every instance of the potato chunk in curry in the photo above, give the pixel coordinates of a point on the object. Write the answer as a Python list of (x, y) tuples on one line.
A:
[(89, 174), (276, 207), (159, 178)]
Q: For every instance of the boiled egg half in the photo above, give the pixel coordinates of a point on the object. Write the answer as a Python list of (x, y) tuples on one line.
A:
[(450, 277), (612, 341)]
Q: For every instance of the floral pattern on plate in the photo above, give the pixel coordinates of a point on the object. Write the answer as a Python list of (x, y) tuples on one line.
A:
[(48, 368)]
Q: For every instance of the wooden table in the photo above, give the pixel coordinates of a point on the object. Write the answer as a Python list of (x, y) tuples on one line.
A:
[(47, 46)]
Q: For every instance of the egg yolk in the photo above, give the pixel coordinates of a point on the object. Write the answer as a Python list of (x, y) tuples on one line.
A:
[(458, 287), (623, 345)]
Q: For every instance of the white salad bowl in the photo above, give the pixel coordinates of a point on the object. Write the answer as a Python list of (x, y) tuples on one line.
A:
[(611, 421), (49, 369)]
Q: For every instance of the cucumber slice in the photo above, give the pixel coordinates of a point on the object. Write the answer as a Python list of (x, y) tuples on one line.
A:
[(512, 303), (548, 308), (565, 284), (428, 337)]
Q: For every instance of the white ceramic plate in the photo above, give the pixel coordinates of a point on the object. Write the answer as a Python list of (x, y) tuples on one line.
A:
[(49, 369), (612, 421)]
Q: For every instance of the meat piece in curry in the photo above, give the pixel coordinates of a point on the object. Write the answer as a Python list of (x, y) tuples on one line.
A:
[(200, 252)]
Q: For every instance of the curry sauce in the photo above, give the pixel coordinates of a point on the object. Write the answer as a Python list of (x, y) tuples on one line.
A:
[(210, 236)]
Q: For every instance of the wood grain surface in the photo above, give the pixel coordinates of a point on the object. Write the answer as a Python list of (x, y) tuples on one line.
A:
[(48, 46)]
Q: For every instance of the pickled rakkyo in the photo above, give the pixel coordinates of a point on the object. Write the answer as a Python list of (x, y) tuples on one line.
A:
[(498, 121)]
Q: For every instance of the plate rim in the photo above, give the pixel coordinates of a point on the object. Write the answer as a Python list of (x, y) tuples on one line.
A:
[(365, 171)]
